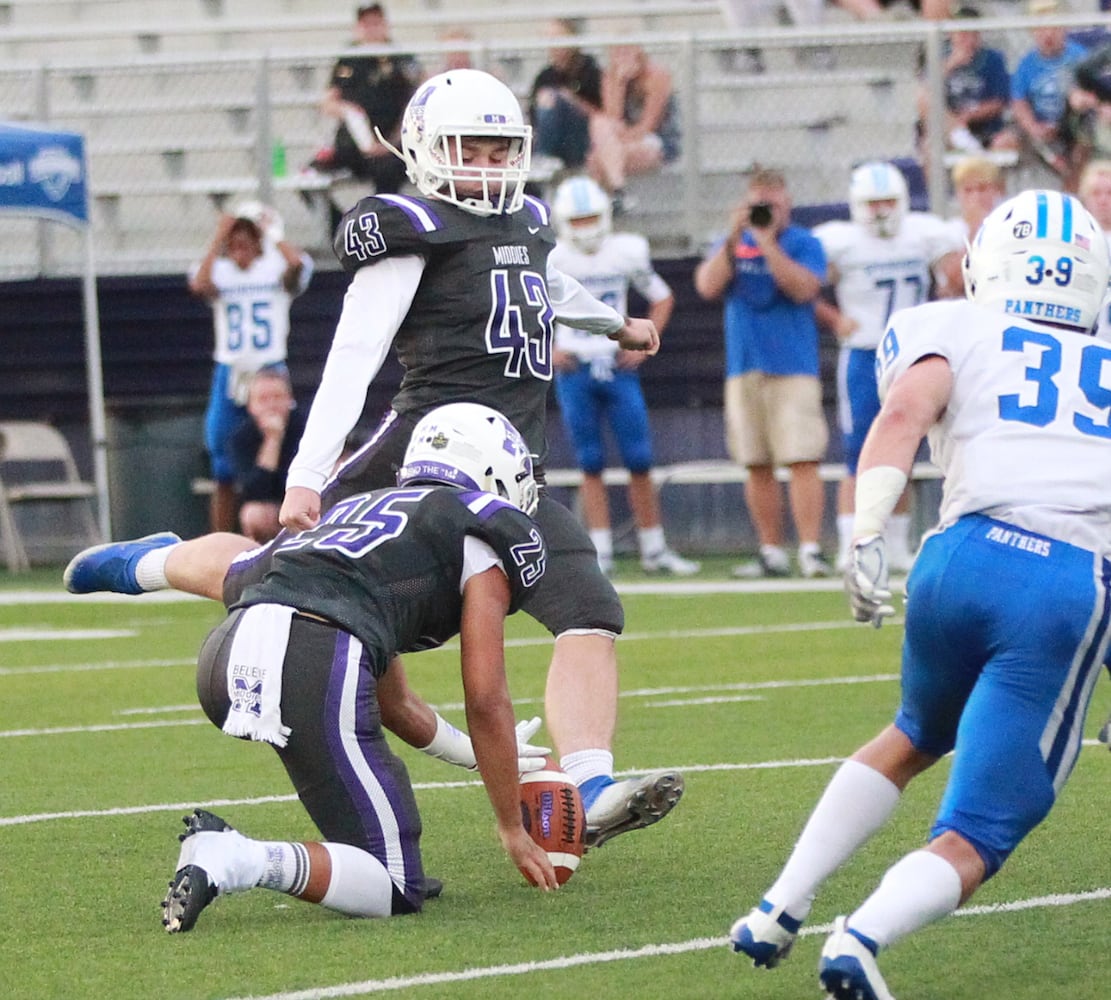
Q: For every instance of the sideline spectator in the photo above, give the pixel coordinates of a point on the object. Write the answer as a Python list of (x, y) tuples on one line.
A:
[(1088, 121), (1095, 193), (249, 277), (977, 93), (640, 117), (597, 383), (979, 186), (262, 448), (565, 99), (1039, 90), (368, 93), (769, 273)]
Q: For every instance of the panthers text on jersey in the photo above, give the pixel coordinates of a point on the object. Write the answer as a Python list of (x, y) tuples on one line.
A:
[(1026, 435), (878, 277), (622, 259), (388, 566), (251, 311)]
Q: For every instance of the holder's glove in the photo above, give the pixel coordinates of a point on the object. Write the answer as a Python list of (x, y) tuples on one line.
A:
[(866, 581), (454, 746)]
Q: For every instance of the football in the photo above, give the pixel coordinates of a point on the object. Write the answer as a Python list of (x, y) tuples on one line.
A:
[(553, 815)]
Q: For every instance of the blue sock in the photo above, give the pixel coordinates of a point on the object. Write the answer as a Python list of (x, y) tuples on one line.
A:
[(592, 788)]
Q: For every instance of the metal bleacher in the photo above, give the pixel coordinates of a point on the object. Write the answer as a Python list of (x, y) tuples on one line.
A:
[(183, 101)]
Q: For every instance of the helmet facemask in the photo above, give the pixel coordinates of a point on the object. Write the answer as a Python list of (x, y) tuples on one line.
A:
[(447, 114), (582, 214)]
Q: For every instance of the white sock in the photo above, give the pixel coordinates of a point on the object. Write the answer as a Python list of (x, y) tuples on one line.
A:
[(582, 765), (287, 867), (603, 543), (651, 541), (897, 539), (810, 548), (844, 537), (916, 891), (856, 803), (150, 570), (360, 885)]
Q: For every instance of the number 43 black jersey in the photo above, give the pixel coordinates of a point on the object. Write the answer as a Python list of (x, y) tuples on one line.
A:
[(480, 325), (387, 566)]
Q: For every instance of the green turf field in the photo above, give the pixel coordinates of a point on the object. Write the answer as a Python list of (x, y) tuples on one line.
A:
[(754, 695)]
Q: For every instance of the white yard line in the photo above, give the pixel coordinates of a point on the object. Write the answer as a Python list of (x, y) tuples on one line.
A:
[(369, 986), (61, 634), (701, 633), (687, 769)]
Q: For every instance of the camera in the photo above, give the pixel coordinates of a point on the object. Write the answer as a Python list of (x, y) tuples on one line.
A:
[(760, 214)]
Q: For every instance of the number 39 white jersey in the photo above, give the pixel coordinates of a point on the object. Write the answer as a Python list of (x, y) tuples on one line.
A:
[(1026, 436), (878, 277)]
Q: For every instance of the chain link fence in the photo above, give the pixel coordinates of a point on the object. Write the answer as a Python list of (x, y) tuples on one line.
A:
[(172, 138)]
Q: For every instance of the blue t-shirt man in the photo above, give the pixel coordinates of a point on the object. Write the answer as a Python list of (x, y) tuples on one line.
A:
[(1043, 80), (765, 330)]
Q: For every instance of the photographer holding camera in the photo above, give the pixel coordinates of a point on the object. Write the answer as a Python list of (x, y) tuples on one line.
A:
[(768, 274)]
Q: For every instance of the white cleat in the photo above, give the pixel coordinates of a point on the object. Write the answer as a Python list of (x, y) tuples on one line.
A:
[(766, 935), (669, 562), (847, 969), (632, 804)]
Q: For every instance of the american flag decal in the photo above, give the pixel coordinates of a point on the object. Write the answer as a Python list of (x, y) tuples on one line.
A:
[(1082, 241)]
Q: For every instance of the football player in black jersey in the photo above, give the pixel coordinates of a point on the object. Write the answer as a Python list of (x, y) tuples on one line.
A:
[(297, 661), (458, 281)]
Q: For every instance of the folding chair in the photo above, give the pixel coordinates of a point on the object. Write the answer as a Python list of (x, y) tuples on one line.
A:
[(37, 467)]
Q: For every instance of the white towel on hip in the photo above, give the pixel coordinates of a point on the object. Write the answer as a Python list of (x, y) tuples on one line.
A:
[(255, 674)]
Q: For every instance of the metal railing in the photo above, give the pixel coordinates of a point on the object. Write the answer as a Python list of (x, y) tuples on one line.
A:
[(168, 137)]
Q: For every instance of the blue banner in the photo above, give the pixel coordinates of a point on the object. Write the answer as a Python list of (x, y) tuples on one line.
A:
[(42, 172)]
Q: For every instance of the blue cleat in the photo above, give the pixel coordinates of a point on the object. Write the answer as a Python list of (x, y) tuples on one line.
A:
[(847, 969), (111, 567), (766, 935)]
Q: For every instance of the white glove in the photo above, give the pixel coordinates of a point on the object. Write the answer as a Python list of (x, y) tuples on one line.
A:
[(454, 746), (272, 225), (530, 758), (866, 581)]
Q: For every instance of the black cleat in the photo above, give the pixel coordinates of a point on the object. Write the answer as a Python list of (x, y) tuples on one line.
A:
[(190, 892), (203, 820)]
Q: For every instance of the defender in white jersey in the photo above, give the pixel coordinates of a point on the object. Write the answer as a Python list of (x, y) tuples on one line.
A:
[(879, 262), (249, 276), (597, 382), (1009, 602)]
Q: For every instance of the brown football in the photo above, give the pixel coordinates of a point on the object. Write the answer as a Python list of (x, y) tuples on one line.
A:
[(553, 815)]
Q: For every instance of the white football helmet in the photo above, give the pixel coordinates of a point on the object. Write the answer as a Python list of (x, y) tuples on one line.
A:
[(580, 198), (1040, 255), (875, 182), (473, 446), (448, 108)]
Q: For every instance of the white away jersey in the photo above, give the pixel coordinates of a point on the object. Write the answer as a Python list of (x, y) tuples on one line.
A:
[(1026, 436), (622, 260), (878, 277), (251, 312)]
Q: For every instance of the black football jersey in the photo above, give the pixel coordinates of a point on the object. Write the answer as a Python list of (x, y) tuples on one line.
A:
[(386, 566), (480, 326)]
